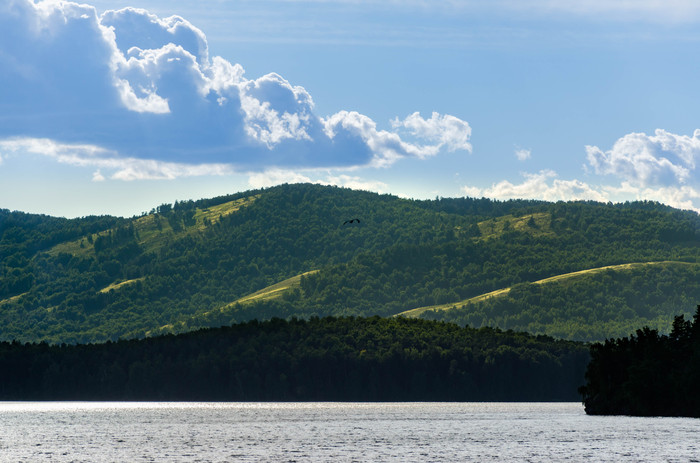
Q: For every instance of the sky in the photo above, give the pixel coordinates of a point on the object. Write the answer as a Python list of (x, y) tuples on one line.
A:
[(118, 106)]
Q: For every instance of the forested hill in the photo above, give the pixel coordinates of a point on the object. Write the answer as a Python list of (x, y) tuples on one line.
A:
[(200, 263)]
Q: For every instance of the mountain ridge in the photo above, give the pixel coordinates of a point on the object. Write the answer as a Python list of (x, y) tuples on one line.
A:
[(182, 262)]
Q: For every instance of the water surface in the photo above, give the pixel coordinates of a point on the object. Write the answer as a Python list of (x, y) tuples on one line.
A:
[(320, 432)]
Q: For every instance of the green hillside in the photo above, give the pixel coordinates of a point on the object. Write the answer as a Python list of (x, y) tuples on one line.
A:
[(557, 278), (594, 304), (154, 231), (283, 289), (287, 251)]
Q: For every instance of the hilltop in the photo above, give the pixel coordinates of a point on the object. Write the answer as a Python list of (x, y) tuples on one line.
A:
[(574, 270)]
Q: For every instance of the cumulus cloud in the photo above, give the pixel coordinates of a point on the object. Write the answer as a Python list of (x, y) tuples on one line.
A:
[(143, 30), (275, 110), (662, 159), (437, 132), (447, 131), (542, 185), (546, 185), (681, 197), (145, 91)]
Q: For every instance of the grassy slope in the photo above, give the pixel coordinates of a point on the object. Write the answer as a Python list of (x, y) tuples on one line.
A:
[(281, 288), (537, 224), (153, 230), (271, 292), (116, 285), (12, 299), (502, 292)]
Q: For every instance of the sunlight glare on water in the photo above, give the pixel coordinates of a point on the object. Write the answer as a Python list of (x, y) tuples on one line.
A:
[(316, 432)]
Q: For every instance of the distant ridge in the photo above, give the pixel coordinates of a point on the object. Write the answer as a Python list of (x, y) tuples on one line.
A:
[(214, 262)]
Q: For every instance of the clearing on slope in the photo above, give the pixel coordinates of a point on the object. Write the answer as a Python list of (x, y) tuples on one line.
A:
[(152, 231), (537, 224)]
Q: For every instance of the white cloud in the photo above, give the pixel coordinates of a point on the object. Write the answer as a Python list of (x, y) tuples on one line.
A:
[(275, 110), (356, 183), (47, 147), (122, 168), (141, 29), (473, 191), (387, 147), (274, 177), (659, 167), (144, 88), (681, 197), (523, 154), (661, 159), (97, 176), (543, 185), (145, 169), (447, 131)]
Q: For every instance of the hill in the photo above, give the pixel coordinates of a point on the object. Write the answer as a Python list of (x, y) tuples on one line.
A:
[(589, 305), (214, 262), (505, 291)]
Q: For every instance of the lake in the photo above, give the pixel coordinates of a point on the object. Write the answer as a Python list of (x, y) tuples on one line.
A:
[(339, 432)]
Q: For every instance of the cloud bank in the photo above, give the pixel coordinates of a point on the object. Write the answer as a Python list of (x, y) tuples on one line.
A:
[(542, 185), (277, 177), (121, 168), (146, 97), (661, 159), (659, 167)]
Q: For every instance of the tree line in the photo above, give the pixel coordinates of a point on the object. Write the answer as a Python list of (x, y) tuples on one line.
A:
[(646, 374), (343, 359)]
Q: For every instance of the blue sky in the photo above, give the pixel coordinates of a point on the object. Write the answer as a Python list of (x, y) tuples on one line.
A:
[(108, 110)]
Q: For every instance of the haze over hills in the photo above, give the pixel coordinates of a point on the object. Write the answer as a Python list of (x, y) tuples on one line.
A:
[(297, 251)]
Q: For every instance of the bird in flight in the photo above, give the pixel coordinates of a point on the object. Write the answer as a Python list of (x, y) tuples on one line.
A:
[(351, 221)]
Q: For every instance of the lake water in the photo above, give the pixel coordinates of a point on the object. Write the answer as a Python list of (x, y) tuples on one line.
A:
[(338, 432)]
